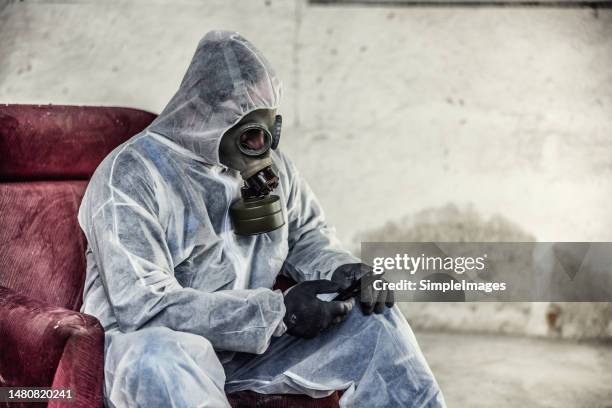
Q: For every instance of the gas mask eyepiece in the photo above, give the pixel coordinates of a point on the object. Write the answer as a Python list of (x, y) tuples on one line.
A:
[(255, 139), (246, 148)]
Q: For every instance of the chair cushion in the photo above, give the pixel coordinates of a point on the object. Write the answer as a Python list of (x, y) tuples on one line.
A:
[(62, 142), (41, 245)]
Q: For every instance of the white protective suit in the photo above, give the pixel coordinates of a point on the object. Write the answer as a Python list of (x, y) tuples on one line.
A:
[(184, 301)]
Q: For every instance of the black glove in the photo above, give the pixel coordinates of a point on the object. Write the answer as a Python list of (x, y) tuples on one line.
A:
[(370, 299), (306, 315)]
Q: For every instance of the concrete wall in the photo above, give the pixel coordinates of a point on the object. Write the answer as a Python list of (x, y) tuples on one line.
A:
[(389, 112)]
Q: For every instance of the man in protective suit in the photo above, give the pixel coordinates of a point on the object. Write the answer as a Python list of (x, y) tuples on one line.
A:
[(185, 242)]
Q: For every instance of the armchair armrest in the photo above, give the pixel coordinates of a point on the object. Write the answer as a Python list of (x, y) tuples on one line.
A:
[(45, 346)]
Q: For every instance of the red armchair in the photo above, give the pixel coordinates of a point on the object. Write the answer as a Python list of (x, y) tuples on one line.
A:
[(47, 154)]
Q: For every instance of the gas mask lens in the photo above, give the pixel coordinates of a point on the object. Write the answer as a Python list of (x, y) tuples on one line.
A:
[(254, 140)]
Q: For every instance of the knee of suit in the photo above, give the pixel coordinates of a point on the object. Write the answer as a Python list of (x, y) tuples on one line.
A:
[(150, 367), (159, 348), (391, 317), (157, 363), (388, 328)]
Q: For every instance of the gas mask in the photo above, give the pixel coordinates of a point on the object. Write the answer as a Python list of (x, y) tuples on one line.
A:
[(246, 147)]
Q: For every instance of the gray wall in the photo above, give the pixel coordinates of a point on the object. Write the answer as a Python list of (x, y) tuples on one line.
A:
[(389, 112)]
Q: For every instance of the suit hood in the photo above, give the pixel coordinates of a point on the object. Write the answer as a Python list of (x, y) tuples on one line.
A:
[(227, 78)]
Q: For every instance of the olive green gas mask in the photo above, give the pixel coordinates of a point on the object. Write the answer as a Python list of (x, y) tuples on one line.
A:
[(246, 147)]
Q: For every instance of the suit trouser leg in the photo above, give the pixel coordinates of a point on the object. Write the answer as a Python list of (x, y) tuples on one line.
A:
[(375, 359), (159, 367)]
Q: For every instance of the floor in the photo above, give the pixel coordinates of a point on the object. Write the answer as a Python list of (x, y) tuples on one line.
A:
[(499, 371)]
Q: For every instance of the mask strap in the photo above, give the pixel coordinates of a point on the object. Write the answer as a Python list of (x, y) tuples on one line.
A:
[(276, 131)]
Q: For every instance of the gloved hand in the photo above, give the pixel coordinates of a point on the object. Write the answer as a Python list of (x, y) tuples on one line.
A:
[(370, 299), (306, 315)]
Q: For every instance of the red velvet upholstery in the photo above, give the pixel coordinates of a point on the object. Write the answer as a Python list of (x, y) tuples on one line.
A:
[(42, 245), (54, 142), (46, 346), (47, 153)]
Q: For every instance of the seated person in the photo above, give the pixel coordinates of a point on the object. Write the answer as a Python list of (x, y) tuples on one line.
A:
[(185, 242)]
